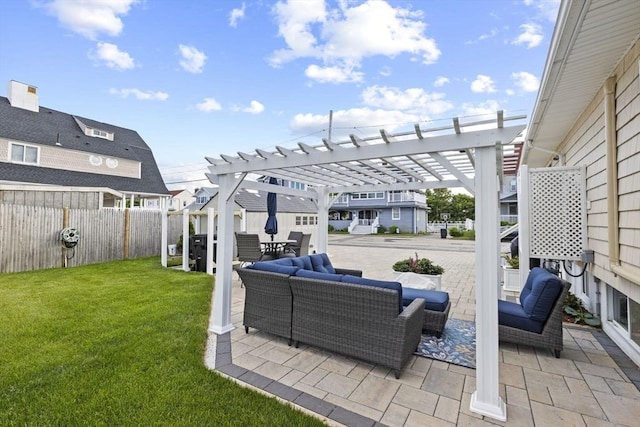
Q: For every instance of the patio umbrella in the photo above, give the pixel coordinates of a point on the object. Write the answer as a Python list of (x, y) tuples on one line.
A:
[(271, 227)]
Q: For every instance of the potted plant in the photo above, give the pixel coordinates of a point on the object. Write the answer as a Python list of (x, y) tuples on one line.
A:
[(511, 274), (422, 266)]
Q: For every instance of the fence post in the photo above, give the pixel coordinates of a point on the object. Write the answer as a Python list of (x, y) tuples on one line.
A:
[(65, 224), (127, 230)]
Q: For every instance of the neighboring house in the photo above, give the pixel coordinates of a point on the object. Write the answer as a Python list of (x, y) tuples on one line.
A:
[(364, 212), (294, 214), (509, 200), (202, 197), (180, 199), (587, 118), (48, 157)]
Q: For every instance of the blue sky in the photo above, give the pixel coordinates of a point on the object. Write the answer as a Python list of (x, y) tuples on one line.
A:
[(203, 78)]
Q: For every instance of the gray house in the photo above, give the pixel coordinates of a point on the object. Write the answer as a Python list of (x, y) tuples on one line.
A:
[(51, 158), (365, 212)]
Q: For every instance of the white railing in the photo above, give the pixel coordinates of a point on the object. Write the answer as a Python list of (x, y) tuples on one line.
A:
[(354, 224), (406, 196), (375, 224)]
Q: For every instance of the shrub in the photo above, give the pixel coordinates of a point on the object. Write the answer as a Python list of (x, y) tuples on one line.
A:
[(513, 262), (455, 232), (469, 235), (330, 228), (418, 265), (192, 231), (394, 229), (382, 229)]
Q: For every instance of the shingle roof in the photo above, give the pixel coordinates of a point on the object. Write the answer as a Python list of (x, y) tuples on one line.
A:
[(48, 127), (257, 202)]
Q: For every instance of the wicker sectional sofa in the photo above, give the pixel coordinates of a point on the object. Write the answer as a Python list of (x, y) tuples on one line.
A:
[(306, 300)]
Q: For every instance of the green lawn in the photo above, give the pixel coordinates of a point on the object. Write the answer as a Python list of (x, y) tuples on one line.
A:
[(117, 344)]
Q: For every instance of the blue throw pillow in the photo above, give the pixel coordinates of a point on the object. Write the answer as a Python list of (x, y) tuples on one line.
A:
[(318, 275), (321, 263), (545, 289), (396, 286), (303, 262)]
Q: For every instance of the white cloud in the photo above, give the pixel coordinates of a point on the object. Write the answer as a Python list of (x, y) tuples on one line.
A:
[(333, 74), (526, 81), (192, 59), (441, 81), (235, 15), (548, 9), (486, 108), (531, 35), (209, 104), (90, 17), (355, 120), (510, 92), (342, 37), (483, 84), (112, 56), (254, 108), (413, 100), (139, 94)]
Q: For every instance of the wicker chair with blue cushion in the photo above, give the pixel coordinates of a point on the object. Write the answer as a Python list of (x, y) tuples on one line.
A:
[(537, 319)]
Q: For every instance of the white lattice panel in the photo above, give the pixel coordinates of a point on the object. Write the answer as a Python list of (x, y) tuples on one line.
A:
[(557, 216)]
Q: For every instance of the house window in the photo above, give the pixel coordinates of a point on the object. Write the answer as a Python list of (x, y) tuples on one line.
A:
[(298, 220), (202, 199), (362, 196), (395, 214), (21, 153)]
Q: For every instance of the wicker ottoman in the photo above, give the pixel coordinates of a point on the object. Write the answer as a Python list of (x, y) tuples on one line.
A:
[(436, 308)]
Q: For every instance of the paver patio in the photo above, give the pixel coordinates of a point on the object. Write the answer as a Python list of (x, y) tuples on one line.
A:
[(592, 384)]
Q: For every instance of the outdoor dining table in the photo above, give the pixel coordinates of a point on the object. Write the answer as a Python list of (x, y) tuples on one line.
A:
[(275, 247)]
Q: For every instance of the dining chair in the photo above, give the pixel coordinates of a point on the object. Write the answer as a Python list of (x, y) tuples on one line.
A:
[(303, 249), (290, 248), (249, 249)]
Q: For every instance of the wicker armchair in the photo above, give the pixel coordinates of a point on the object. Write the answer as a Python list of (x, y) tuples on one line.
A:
[(551, 335)]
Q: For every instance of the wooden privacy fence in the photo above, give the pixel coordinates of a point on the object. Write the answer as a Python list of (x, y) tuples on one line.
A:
[(30, 236)]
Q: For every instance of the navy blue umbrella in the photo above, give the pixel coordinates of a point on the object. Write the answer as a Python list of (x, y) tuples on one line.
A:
[(271, 227)]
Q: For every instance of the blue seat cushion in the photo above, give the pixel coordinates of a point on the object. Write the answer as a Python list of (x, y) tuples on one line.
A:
[(512, 314), (543, 289), (321, 263), (318, 275), (433, 300), (396, 286), (273, 267)]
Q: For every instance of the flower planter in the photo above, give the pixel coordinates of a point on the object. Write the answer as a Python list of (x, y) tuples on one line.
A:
[(417, 281), (511, 279)]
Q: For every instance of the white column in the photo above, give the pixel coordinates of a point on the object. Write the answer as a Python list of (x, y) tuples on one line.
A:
[(210, 233), (486, 399), (164, 238), (220, 319), (322, 230), (185, 240), (524, 249)]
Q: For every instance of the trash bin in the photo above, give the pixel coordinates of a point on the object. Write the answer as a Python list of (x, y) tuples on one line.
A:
[(198, 250), (443, 233), (172, 250)]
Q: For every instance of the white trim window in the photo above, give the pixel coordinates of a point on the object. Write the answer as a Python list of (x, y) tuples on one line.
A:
[(395, 214), (22, 153)]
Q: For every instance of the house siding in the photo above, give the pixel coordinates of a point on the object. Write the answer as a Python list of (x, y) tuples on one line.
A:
[(586, 145), (78, 161)]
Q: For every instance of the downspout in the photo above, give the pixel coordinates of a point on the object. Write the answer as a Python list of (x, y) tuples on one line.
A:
[(611, 142)]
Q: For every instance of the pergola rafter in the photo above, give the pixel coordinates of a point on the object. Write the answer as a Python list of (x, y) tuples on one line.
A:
[(473, 156)]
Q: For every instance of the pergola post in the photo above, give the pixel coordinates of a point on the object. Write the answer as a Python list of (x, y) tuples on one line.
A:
[(210, 235), (322, 239), (486, 399), (220, 320)]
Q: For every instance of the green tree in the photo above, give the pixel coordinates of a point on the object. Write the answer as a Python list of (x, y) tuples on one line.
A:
[(463, 206), (439, 200)]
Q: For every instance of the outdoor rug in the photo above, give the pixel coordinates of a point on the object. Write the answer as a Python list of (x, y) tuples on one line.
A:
[(457, 344)]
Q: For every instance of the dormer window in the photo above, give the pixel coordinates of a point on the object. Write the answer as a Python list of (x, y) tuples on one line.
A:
[(94, 132)]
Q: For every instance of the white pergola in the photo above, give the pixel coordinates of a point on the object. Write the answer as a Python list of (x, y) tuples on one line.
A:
[(474, 156)]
